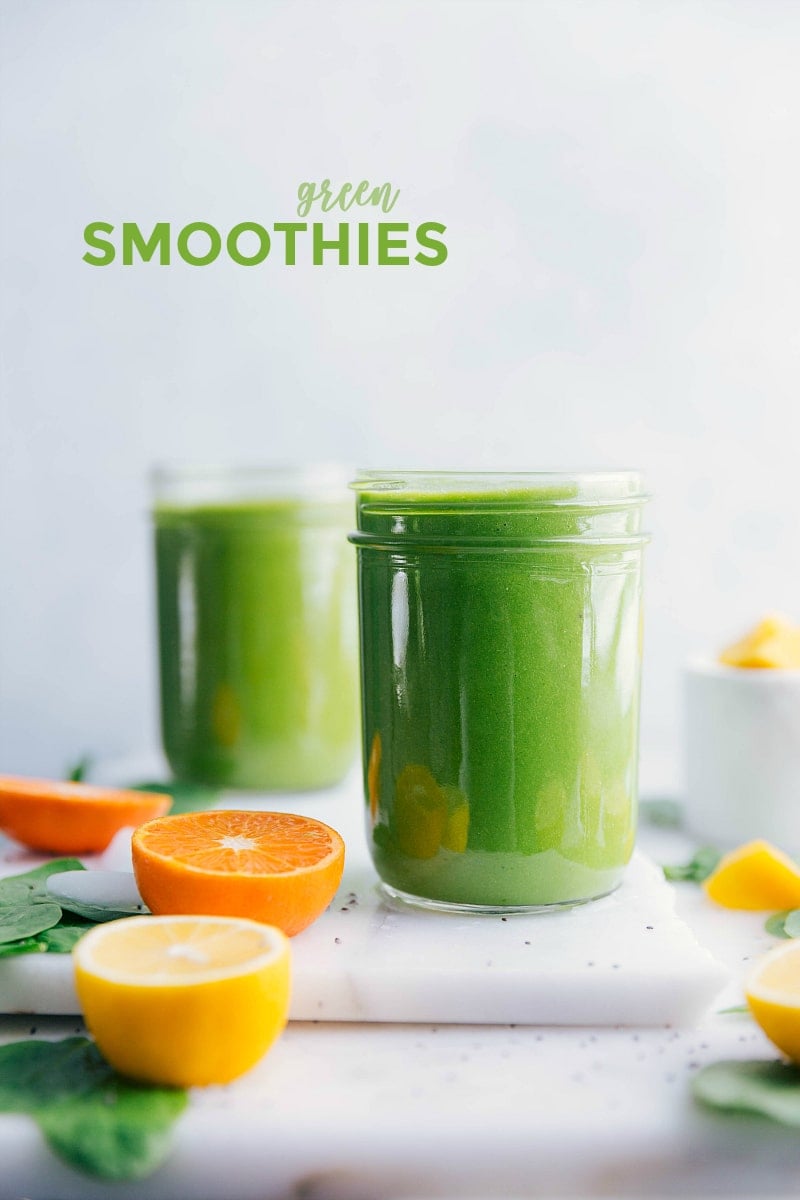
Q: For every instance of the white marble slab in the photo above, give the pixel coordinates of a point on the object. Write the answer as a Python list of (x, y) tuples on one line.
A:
[(627, 959)]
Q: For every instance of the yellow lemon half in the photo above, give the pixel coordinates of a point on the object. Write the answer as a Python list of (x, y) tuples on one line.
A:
[(773, 994), (757, 877), (183, 1001)]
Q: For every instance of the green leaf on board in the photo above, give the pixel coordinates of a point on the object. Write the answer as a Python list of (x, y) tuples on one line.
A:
[(765, 1088), (60, 939), (784, 924), (29, 945), (791, 926), (698, 868), (738, 1009), (80, 769), (774, 925), (91, 1117), (32, 885), (186, 797), (31, 921), (666, 814), (26, 920)]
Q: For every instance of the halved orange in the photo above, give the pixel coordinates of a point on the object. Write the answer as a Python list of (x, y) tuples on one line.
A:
[(279, 868), (71, 818)]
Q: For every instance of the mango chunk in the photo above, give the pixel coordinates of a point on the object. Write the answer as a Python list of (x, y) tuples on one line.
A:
[(757, 877), (774, 643)]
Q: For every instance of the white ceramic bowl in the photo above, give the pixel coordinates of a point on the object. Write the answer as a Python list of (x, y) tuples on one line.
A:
[(743, 755)]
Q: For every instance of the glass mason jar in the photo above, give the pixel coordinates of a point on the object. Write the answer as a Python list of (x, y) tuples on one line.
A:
[(257, 626), (501, 639)]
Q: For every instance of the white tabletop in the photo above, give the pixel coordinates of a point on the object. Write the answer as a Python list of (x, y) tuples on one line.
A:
[(407, 1112)]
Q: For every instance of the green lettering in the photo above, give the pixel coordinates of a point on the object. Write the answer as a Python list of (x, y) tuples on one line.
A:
[(291, 229), (341, 199), (325, 196), (363, 244), (306, 197), (342, 243), (132, 240), (382, 197), (91, 239), (428, 243), (263, 244), (214, 244), (361, 194), (386, 244)]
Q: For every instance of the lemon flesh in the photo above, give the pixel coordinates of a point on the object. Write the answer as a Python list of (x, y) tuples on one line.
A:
[(773, 996)]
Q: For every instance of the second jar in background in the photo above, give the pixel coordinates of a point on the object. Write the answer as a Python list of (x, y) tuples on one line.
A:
[(257, 631)]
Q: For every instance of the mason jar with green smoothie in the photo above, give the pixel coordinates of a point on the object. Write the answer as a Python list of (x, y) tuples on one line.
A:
[(257, 626), (501, 638)]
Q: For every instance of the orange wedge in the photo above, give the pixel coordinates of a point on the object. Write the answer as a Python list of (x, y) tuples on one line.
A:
[(757, 876), (278, 868), (71, 818)]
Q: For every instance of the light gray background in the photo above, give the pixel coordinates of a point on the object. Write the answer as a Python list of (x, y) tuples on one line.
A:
[(621, 188)]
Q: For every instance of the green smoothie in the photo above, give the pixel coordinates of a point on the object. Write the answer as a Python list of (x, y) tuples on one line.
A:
[(256, 619), (501, 642)]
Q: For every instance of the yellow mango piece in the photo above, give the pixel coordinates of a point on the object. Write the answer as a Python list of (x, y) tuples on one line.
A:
[(757, 877), (773, 644)]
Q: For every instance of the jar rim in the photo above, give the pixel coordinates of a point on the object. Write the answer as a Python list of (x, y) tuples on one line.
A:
[(580, 487)]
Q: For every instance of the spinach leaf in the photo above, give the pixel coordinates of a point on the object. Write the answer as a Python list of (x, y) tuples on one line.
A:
[(770, 1089), (61, 938), (186, 797), (774, 925), (698, 868), (79, 770), (25, 920), (32, 885), (31, 921), (666, 814), (58, 940), (29, 945), (96, 1120), (784, 924)]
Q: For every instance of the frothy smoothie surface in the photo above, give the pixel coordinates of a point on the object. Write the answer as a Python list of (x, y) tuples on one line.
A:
[(501, 646)]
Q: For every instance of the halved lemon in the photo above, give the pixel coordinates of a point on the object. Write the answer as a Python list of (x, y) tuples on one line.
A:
[(772, 991), (756, 876), (183, 1001)]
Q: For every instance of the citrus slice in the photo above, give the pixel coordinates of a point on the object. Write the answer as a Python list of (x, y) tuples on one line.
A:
[(279, 868), (71, 818), (772, 991), (757, 876), (183, 1001)]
